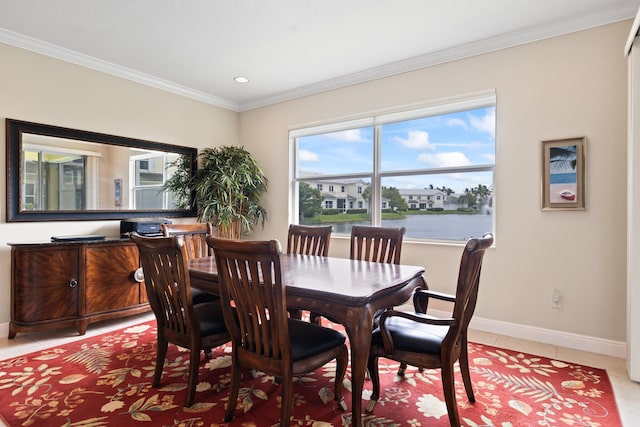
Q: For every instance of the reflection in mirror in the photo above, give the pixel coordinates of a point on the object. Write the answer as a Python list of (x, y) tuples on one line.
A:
[(57, 173)]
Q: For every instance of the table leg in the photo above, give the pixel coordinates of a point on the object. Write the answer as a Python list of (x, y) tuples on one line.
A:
[(359, 332)]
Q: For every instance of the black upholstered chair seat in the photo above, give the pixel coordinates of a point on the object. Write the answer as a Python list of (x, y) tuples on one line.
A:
[(309, 339), (409, 335), (210, 317), (198, 296)]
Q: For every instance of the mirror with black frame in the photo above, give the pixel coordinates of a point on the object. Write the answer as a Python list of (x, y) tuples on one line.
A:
[(56, 173)]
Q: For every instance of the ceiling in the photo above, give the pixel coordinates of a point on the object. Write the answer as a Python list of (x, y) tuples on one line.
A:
[(287, 48)]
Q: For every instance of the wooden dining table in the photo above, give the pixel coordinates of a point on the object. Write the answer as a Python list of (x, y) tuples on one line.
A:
[(347, 291)]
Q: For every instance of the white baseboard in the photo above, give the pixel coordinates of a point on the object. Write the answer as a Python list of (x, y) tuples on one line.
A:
[(531, 333), (547, 336), (4, 329)]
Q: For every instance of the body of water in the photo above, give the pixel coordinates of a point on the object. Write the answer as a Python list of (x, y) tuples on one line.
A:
[(442, 227), (563, 178)]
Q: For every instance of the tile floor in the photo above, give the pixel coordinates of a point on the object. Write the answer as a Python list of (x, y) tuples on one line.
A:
[(627, 392)]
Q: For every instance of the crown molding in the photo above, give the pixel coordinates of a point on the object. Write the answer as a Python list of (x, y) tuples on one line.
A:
[(624, 10), (557, 28), (57, 52), (632, 34)]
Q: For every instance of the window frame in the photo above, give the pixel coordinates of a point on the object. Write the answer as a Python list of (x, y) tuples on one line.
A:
[(376, 120), (134, 187), (90, 173)]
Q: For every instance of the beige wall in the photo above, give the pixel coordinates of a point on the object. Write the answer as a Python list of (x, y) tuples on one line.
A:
[(40, 89), (567, 86)]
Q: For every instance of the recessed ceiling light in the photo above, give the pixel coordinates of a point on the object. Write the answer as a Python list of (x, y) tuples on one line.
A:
[(241, 79)]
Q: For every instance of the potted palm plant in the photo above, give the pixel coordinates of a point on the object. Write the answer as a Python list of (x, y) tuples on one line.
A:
[(226, 188)]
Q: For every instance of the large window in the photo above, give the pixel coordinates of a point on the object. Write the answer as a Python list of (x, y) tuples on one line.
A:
[(429, 169)]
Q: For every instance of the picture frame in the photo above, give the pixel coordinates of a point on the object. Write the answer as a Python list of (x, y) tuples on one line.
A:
[(563, 174)]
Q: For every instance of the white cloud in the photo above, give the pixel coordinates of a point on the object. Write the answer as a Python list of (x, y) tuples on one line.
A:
[(417, 140), (475, 145), (452, 158), (308, 156), (457, 122), (486, 123), (490, 157), (351, 135)]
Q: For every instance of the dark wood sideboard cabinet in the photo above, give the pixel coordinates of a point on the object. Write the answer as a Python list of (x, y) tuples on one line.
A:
[(73, 283)]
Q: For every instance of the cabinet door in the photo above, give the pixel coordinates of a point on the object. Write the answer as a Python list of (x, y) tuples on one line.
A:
[(46, 284), (109, 277)]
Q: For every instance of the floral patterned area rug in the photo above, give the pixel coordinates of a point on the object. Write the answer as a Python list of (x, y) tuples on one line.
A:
[(106, 381)]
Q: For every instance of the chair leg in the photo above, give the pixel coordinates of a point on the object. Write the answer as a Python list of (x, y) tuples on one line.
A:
[(294, 313), (449, 390), (464, 370), (372, 367), (341, 369), (161, 353), (194, 366), (287, 401), (402, 369), (235, 390), (315, 318)]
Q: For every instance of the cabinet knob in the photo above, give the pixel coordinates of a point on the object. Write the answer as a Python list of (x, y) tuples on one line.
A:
[(138, 275), (73, 283)]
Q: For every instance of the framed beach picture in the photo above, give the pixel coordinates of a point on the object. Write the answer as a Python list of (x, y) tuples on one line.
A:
[(563, 174)]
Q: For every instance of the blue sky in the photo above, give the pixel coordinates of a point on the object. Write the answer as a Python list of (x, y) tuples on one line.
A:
[(449, 140)]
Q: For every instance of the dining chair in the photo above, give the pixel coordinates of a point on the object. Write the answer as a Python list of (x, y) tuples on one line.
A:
[(179, 321), (194, 236), (428, 342), (263, 336), (376, 244), (308, 240)]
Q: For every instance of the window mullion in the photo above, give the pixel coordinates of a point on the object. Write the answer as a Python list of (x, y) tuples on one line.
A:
[(41, 183), (376, 180)]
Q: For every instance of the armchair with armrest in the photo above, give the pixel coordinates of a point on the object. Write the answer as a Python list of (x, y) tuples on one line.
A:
[(433, 343)]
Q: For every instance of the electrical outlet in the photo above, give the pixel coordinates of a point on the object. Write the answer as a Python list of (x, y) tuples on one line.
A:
[(556, 299)]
